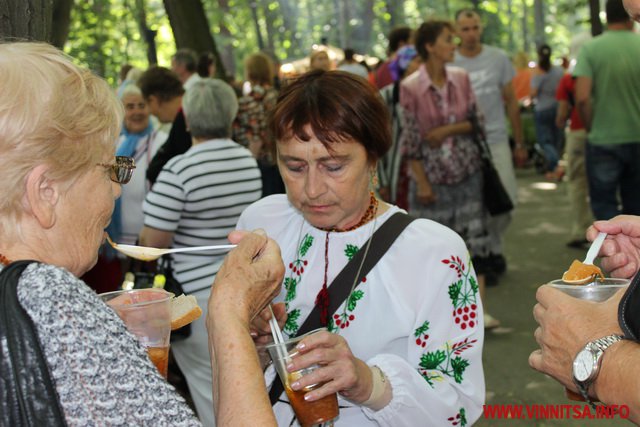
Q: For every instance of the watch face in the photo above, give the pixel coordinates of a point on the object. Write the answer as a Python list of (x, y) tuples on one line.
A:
[(583, 365)]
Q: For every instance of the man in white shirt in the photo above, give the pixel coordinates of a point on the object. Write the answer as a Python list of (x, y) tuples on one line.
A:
[(491, 72), (184, 63)]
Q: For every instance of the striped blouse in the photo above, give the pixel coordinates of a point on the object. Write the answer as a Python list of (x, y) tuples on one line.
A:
[(199, 196)]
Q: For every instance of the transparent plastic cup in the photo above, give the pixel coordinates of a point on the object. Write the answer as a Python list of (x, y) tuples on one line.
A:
[(308, 413), (147, 314), (597, 291)]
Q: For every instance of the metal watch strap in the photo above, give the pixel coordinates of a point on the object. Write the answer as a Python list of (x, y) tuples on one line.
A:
[(601, 344)]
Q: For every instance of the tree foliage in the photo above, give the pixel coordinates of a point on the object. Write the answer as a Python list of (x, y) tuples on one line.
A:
[(103, 34)]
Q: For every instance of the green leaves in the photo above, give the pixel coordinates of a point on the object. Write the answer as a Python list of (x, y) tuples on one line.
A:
[(458, 364), (432, 359), (350, 251), (291, 326), (305, 245), (422, 329), (353, 299), (290, 285)]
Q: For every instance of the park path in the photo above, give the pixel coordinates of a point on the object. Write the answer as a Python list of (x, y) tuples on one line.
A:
[(536, 253)]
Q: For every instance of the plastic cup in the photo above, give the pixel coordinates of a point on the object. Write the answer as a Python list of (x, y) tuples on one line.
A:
[(597, 291), (147, 314), (308, 413)]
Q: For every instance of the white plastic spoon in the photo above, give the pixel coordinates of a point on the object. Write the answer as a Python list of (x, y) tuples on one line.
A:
[(588, 260), (145, 253)]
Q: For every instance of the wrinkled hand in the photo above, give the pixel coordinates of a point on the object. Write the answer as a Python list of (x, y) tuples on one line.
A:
[(425, 193), (340, 370), (249, 278), (567, 324), (260, 328), (620, 252), (435, 137)]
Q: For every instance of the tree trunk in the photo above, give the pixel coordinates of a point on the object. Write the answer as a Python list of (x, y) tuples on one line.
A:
[(269, 19), (512, 44), (26, 19), (290, 17), (538, 15), (191, 29), (228, 58), (525, 26), (148, 35), (342, 23), (61, 22), (596, 24), (256, 22), (361, 35)]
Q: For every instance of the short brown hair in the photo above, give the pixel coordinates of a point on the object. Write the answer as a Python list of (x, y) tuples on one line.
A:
[(428, 33), (336, 105), (161, 82), (259, 69)]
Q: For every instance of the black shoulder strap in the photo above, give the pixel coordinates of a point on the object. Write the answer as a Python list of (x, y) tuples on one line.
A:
[(340, 288), (27, 395)]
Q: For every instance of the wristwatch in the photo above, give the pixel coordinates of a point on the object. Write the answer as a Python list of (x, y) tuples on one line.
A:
[(586, 364)]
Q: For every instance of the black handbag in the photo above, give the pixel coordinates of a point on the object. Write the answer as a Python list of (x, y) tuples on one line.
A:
[(156, 275), (27, 395), (496, 199)]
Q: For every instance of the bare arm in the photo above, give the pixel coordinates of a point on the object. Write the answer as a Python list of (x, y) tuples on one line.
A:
[(155, 238), (436, 136), (562, 114), (513, 112), (583, 100), (425, 193), (617, 382), (247, 281)]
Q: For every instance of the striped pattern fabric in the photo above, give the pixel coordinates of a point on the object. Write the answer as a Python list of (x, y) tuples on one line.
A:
[(199, 196)]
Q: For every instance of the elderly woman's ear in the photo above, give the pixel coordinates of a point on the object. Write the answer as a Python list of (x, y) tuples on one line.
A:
[(41, 196)]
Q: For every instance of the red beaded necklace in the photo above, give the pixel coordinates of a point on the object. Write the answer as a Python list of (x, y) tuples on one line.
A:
[(322, 299), (4, 260), (369, 214)]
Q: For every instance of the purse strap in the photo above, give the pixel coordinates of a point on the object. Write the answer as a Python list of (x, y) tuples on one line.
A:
[(340, 288), (27, 395), (478, 134)]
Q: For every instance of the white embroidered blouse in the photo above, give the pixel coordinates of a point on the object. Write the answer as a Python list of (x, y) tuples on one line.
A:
[(417, 314)]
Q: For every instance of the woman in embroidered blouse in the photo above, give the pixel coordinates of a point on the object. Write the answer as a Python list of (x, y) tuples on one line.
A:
[(411, 325), (446, 181)]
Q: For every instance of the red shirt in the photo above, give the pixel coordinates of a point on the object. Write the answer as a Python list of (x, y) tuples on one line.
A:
[(567, 86)]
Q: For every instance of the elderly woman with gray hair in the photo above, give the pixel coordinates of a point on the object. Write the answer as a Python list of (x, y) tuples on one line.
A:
[(197, 201)]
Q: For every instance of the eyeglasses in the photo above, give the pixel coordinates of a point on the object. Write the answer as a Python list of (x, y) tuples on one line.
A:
[(121, 170)]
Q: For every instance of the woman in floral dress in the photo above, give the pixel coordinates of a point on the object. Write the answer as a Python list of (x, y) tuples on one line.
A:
[(411, 327)]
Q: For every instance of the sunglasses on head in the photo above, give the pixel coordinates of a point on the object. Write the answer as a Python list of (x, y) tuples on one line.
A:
[(121, 169)]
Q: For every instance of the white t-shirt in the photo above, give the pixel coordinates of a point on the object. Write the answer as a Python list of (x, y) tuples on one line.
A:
[(134, 191), (489, 72), (402, 318)]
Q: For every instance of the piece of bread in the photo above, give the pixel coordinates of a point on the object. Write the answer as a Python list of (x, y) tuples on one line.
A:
[(184, 310)]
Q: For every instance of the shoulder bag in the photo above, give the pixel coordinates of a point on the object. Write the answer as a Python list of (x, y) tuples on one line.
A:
[(27, 394), (496, 198), (340, 288)]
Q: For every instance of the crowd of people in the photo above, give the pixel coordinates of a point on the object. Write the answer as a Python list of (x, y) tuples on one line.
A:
[(320, 168)]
